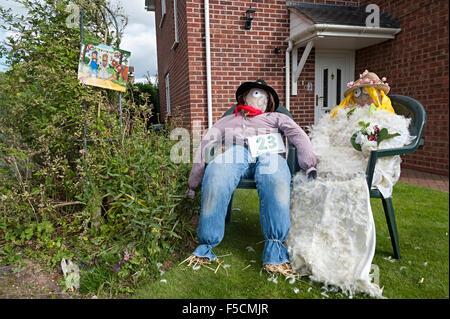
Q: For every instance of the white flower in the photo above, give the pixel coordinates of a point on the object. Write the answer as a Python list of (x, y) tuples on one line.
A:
[(360, 138), (369, 146)]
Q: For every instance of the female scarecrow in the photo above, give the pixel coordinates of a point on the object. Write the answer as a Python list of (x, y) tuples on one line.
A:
[(253, 120), (332, 236), (365, 91)]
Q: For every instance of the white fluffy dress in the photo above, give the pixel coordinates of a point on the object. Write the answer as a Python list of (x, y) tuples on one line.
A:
[(332, 234)]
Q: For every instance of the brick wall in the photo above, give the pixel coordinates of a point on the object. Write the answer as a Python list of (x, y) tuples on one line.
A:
[(239, 55), (416, 65), (173, 61)]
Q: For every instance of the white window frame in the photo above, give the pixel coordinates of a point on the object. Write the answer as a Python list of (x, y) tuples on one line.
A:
[(163, 12), (167, 94), (175, 23)]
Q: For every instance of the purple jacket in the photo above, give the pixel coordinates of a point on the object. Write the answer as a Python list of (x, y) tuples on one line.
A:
[(240, 127)]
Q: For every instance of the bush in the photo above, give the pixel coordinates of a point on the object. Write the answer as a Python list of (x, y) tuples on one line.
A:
[(140, 191), (115, 214)]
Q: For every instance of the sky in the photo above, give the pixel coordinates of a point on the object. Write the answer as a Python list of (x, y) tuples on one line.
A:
[(139, 37)]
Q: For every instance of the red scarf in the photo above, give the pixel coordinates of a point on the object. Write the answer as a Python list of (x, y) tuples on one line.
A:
[(251, 109)]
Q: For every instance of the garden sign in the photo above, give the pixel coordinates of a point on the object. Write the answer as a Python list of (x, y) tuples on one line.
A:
[(103, 66)]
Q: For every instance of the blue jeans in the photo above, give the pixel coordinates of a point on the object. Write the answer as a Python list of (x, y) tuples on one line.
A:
[(222, 175)]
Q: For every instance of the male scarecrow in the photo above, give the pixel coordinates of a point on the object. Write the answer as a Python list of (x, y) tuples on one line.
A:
[(254, 116)]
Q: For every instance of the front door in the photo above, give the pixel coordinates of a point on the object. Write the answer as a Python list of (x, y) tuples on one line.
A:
[(333, 70)]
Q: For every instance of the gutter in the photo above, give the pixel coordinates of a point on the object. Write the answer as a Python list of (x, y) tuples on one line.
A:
[(341, 30), (208, 63)]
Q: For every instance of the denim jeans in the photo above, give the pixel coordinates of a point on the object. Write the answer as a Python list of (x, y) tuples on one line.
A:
[(222, 175)]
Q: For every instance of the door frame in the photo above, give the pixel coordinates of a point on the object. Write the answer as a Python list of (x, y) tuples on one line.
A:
[(348, 76)]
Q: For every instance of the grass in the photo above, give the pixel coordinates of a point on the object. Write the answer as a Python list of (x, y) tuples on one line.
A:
[(423, 222)]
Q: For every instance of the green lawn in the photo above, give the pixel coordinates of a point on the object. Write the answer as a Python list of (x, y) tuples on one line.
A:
[(423, 223)]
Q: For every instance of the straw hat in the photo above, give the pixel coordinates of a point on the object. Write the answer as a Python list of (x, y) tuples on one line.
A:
[(368, 79)]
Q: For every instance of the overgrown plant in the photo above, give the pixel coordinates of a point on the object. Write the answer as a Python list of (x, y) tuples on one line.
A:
[(57, 201)]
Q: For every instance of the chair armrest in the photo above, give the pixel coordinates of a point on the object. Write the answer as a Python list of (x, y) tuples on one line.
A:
[(400, 150), (374, 155)]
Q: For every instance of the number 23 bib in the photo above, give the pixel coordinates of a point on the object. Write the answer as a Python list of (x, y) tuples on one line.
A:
[(267, 143)]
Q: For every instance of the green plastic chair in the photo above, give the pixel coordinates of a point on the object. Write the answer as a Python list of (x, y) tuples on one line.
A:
[(409, 108), (249, 183)]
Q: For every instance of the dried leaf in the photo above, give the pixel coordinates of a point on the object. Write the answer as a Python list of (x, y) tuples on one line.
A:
[(246, 267)]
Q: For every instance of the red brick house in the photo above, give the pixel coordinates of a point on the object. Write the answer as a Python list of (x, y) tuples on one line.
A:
[(307, 51)]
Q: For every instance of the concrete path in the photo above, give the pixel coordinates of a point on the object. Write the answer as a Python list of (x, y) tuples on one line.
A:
[(428, 180)]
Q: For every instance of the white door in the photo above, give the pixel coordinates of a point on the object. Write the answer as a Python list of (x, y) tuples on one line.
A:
[(333, 70)]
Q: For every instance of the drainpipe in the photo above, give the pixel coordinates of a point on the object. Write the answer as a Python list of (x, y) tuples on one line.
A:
[(288, 71), (208, 64)]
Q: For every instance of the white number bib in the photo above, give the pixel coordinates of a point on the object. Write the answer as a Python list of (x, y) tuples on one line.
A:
[(268, 143)]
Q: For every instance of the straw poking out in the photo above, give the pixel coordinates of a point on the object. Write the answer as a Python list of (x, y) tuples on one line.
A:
[(285, 269), (196, 262)]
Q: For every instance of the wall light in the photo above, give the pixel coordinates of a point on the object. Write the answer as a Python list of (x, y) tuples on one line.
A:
[(250, 13)]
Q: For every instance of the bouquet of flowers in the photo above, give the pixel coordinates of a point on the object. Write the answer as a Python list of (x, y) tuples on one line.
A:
[(369, 137)]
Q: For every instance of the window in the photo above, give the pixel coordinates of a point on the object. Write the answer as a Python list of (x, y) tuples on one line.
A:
[(163, 12), (167, 94), (175, 23)]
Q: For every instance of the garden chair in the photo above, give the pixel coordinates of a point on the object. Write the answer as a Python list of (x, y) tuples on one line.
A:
[(410, 108)]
